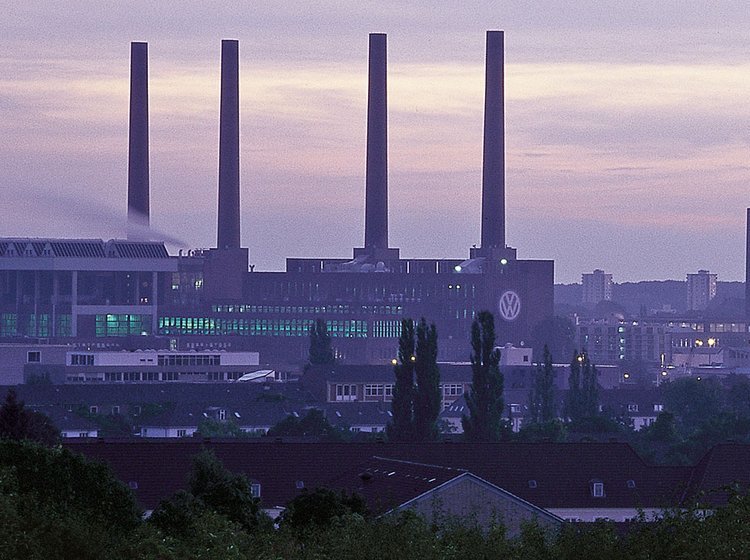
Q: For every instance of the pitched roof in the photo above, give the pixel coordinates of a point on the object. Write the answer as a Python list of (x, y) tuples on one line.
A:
[(562, 472), (386, 484), (723, 466)]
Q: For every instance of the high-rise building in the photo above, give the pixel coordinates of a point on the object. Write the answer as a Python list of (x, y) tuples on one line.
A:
[(701, 289), (597, 287)]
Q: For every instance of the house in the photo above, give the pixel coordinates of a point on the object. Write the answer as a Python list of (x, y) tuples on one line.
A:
[(573, 481), (438, 494)]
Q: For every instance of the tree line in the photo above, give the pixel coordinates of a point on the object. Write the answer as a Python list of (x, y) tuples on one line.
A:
[(58, 504)]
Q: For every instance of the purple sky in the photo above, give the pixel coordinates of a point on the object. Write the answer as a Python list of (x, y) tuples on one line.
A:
[(627, 127)]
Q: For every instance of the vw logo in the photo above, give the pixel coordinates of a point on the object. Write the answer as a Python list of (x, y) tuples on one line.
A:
[(509, 305)]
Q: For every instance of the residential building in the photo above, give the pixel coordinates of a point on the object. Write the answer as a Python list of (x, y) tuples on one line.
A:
[(701, 289), (597, 286)]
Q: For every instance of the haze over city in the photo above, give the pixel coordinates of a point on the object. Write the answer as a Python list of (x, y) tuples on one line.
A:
[(626, 130)]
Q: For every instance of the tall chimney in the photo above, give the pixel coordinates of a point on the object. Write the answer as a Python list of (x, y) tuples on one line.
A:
[(747, 266), (493, 169), (376, 183), (228, 236), (138, 184)]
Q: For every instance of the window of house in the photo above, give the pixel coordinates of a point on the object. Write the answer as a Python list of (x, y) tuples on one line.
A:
[(631, 484), (532, 484), (136, 410), (181, 433), (116, 409), (94, 409), (222, 414), (658, 408), (373, 390), (346, 392), (83, 434), (33, 357), (632, 408), (453, 389), (133, 485), (515, 408), (597, 489), (525, 358), (255, 490)]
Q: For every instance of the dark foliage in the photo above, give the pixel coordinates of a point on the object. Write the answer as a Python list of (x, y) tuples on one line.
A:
[(321, 351), (485, 399), (211, 488), (401, 428), (320, 508), (18, 423), (312, 424)]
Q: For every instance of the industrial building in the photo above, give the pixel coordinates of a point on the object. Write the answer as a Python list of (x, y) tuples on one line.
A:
[(127, 294)]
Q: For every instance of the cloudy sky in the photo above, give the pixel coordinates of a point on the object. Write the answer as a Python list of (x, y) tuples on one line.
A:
[(627, 126)]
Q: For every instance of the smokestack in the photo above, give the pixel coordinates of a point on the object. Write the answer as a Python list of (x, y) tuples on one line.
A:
[(138, 183), (376, 183), (228, 236), (493, 170), (747, 266)]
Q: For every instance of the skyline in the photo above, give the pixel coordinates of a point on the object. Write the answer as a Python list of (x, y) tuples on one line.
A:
[(584, 121)]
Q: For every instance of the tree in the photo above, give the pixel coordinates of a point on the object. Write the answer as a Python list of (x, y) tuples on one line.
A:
[(211, 488), (320, 507), (573, 402), (18, 424), (401, 428), (69, 483), (583, 389), (692, 400), (314, 423), (589, 388), (321, 352), (485, 398), (211, 428), (427, 397), (542, 401), (416, 394)]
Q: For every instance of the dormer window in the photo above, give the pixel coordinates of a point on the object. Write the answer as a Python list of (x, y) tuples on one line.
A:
[(632, 408), (597, 489), (658, 408), (532, 483)]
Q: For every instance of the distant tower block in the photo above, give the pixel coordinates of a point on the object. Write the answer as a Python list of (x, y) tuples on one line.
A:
[(597, 287), (701, 289), (376, 197), (138, 168), (493, 169), (228, 236)]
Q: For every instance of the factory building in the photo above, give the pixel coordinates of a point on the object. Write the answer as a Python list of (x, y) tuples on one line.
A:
[(126, 294)]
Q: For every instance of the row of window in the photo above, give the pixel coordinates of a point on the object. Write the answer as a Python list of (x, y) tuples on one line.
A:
[(34, 325), (257, 327), (189, 360), (122, 325), (127, 376), (311, 309), (348, 391)]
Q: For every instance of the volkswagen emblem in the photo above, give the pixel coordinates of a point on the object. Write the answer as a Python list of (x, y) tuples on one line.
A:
[(509, 305)]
